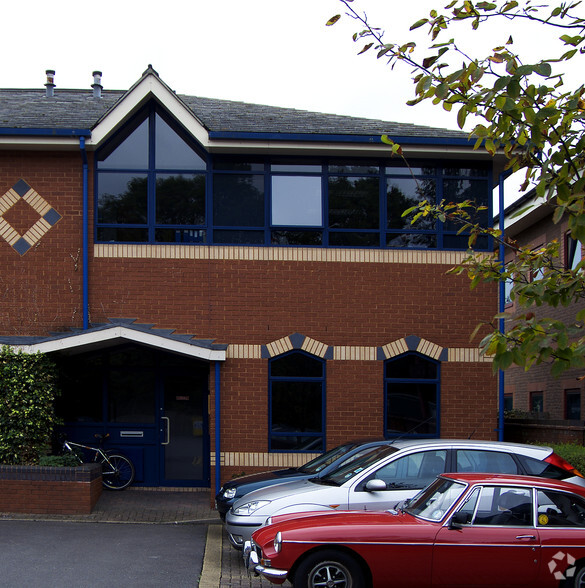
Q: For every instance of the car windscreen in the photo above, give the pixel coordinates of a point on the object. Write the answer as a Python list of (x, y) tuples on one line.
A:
[(316, 465), (348, 470), (436, 499)]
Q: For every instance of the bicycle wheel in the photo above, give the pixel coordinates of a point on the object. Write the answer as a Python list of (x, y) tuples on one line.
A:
[(118, 473)]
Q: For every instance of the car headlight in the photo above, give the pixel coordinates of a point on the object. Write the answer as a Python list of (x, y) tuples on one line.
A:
[(250, 507), (278, 542), (229, 493)]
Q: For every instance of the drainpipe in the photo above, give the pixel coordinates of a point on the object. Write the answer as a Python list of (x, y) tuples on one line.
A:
[(501, 302), (85, 244), (217, 429)]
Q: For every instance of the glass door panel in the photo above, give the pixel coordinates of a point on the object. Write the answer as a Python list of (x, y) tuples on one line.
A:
[(183, 427)]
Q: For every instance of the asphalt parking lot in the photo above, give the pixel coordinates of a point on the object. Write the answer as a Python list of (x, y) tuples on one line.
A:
[(65, 554), (138, 537)]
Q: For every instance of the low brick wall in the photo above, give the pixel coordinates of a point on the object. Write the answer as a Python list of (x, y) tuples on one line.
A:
[(50, 490), (544, 431)]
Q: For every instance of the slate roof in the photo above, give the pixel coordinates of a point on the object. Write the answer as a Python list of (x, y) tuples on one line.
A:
[(117, 322), (78, 109)]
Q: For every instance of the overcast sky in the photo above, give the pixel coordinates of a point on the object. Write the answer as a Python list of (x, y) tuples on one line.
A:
[(276, 52)]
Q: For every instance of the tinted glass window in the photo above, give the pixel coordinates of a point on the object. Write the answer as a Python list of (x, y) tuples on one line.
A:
[(296, 365), (411, 367), (297, 396), (238, 200), (354, 203), (404, 193), (471, 460), (131, 397), (180, 199), (172, 152), (412, 396), (537, 467), (131, 153), (122, 198), (412, 471), (460, 190)]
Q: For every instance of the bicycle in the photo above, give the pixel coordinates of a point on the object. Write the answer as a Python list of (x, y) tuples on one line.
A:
[(117, 470)]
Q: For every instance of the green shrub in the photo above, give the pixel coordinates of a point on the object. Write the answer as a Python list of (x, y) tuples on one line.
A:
[(574, 454), (58, 461), (27, 415)]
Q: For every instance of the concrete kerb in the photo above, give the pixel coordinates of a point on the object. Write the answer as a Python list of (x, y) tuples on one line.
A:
[(211, 571)]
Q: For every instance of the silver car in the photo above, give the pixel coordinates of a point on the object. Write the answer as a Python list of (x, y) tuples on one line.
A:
[(387, 475)]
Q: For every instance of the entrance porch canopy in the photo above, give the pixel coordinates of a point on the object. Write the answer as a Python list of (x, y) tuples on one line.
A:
[(118, 331)]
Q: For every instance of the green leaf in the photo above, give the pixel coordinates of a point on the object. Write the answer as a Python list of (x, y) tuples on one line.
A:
[(419, 23), (366, 47), (543, 69), (462, 116), (333, 20)]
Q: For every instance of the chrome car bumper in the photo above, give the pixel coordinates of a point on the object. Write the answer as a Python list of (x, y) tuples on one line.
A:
[(253, 565)]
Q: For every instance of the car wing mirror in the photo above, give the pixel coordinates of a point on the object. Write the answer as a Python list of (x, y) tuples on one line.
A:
[(375, 485), (459, 519)]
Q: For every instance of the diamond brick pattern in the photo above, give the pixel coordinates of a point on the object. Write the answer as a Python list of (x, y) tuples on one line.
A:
[(48, 217)]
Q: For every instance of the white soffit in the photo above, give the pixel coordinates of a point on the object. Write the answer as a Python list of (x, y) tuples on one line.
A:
[(113, 335), (150, 85)]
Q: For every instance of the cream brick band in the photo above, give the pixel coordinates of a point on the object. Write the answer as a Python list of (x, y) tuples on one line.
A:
[(262, 460), (313, 254)]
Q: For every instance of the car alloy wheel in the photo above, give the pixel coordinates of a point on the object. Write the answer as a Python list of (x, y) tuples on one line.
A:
[(329, 569)]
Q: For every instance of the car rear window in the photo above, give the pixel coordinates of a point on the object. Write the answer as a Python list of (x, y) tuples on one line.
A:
[(543, 469)]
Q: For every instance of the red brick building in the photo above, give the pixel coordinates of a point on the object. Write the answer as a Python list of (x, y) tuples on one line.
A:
[(552, 409), (228, 287)]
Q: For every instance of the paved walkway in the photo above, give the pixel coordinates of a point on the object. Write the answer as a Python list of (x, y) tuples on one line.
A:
[(222, 566)]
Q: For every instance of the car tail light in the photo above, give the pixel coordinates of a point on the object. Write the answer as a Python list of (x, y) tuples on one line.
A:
[(563, 464)]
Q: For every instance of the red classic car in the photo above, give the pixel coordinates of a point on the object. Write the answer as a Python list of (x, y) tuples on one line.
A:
[(462, 530)]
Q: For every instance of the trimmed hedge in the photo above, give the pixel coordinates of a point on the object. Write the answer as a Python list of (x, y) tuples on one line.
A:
[(27, 398)]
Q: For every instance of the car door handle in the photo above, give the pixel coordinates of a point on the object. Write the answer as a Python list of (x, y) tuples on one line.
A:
[(531, 537)]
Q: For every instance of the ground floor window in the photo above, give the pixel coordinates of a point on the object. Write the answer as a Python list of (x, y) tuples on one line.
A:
[(537, 402), (573, 404), (412, 384), (297, 403)]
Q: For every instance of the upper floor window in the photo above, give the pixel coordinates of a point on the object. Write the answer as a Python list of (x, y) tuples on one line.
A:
[(297, 403), (411, 384), (151, 184), (573, 254), (155, 185)]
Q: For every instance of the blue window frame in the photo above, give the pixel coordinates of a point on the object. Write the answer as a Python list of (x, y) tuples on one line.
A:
[(411, 396), (151, 184), (154, 184), (296, 403)]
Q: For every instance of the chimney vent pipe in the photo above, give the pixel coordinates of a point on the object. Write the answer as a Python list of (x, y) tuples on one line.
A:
[(50, 85), (97, 84)]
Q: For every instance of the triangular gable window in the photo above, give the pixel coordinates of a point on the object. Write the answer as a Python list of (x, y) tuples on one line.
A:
[(151, 183)]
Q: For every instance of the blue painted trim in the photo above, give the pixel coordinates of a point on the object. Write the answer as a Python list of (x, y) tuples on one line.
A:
[(217, 428), (317, 137), (501, 302), (85, 236), (45, 132)]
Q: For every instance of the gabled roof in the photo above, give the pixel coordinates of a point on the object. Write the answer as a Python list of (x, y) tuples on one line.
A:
[(74, 112), (119, 331)]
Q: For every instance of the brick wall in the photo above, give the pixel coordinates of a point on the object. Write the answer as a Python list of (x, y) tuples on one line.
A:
[(43, 490), (252, 302)]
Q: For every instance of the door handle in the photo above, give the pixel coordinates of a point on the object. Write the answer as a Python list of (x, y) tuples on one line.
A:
[(168, 439), (531, 537)]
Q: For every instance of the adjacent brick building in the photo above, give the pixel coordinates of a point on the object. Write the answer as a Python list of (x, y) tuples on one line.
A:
[(552, 409), (228, 287)]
